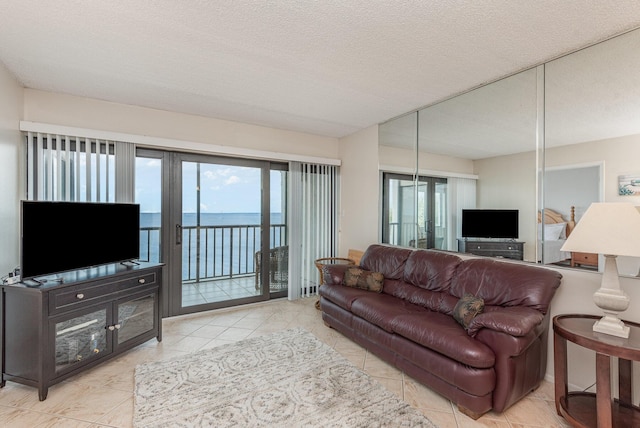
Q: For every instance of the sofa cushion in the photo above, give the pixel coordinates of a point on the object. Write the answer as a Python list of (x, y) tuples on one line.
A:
[(363, 279), (432, 300), (382, 309), (386, 259), (443, 334), (430, 269), (341, 295), (467, 308), (503, 283)]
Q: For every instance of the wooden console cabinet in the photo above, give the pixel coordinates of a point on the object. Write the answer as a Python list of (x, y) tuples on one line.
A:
[(507, 249), (76, 320), (584, 259)]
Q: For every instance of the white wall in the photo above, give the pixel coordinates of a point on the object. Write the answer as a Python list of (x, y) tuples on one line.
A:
[(620, 156), (509, 182), (10, 169), (359, 189), (67, 110)]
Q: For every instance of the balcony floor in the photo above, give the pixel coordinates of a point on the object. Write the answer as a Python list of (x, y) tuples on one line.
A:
[(219, 290)]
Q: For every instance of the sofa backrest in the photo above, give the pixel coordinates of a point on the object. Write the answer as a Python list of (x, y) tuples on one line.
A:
[(506, 284), (431, 270), (386, 259), (422, 277), (436, 280)]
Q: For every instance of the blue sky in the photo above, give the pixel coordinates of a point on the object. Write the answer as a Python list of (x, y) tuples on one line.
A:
[(224, 188)]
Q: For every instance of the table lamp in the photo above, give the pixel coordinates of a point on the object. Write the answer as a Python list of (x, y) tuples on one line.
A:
[(611, 229)]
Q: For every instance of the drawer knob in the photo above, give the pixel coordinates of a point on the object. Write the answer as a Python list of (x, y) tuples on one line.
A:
[(142, 281), (80, 296), (111, 328)]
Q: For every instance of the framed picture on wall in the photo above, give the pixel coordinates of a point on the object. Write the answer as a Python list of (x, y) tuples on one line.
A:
[(629, 185)]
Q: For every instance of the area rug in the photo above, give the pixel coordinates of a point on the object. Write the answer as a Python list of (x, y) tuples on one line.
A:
[(284, 379)]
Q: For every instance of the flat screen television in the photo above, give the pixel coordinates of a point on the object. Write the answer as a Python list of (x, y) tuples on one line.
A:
[(490, 223), (62, 236)]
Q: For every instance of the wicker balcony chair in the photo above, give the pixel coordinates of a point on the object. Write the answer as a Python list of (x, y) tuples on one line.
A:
[(278, 268)]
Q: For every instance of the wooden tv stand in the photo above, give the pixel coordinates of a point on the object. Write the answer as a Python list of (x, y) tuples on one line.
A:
[(491, 248), (76, 320)]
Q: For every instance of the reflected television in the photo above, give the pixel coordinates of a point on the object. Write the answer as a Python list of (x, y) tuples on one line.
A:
[(490, 223)]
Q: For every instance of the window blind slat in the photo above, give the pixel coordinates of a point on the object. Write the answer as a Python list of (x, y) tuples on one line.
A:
[(70, 168), (67, 169)]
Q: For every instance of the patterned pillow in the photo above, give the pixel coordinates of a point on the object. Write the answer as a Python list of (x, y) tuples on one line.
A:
[(364, 279), (467, 308)]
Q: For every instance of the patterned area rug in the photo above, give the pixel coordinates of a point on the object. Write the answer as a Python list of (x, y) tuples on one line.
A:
[(285, 379)]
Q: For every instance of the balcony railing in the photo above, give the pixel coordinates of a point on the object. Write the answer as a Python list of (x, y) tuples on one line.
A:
[(214, 252)]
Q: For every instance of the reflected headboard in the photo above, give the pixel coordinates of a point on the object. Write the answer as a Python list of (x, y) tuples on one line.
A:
[(552, 217)]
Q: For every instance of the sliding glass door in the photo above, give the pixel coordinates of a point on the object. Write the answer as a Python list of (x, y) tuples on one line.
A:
[(220, 246), (414, 212)]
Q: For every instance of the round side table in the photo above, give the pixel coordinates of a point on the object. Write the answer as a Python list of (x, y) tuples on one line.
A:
[(329, 261), (584, 409)]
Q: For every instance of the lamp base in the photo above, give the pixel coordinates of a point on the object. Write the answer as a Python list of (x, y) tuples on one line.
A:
[(612, 300), (611, 325)]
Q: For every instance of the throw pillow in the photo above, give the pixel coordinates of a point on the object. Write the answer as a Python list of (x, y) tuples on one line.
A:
[(363, 279), (467, 308)]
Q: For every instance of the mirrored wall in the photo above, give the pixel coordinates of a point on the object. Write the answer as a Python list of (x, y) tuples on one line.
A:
[(546, 142)]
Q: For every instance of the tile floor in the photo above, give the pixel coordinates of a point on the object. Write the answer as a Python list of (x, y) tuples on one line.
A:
[(103, 396), (219, 290)]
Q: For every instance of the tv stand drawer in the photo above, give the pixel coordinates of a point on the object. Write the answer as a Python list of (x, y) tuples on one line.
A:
[(505, 249), (66, 298)]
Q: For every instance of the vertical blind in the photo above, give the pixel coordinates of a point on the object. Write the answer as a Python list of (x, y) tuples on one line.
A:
[(314, 223), (77, 169), (462, 194)]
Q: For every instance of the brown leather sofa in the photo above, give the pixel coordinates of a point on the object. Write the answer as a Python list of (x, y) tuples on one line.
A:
[(499, 358)]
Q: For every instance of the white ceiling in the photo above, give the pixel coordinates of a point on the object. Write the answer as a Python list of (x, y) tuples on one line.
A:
[(325, 67)]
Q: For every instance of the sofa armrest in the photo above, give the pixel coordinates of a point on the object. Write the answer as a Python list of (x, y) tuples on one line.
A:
[(334, 273), (516, 321)]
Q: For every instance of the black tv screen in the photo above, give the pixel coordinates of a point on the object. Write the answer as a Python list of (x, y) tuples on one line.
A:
[(481, 223), (62, 236)]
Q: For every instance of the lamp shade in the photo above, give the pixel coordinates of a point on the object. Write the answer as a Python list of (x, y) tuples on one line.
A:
[(607, 228)]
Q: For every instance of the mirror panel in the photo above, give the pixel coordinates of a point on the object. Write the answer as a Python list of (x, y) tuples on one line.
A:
[(398, 141), (592, 135), (590, 102), (493, 129)]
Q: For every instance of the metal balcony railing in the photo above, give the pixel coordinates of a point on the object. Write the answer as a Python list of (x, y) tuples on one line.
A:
[(214, 252)]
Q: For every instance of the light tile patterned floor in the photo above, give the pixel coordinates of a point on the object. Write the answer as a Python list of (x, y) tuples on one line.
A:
[(220, 290), (103, 396)]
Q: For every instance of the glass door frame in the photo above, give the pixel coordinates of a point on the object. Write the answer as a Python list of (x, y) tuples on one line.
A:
[(424, 186), (171, 215), (174, 222)]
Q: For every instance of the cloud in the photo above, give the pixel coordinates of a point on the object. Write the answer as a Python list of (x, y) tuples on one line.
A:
[(234, 179), (217, 173)]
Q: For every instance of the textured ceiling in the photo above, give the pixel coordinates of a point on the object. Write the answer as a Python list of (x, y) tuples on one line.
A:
[(324, 67)]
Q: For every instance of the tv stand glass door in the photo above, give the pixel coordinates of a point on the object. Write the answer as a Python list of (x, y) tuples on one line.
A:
[(80, 339)]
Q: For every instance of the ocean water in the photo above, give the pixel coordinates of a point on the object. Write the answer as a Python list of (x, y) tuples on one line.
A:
[(210, 219), (224, 245)]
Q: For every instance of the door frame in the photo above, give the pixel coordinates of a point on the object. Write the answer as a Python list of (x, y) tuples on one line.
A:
[(171, 251), (429, 184)]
